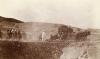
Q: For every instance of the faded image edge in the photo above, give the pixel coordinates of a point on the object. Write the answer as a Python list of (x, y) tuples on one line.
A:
[(38, 40)]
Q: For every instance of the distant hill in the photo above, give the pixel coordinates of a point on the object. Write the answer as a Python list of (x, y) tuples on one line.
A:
[(4, 19), (9, 22)]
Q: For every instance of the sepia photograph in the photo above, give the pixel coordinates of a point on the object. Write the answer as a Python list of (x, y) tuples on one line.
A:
[(49, 29)]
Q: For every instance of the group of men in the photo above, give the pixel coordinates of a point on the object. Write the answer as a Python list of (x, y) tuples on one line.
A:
[(10, 34)]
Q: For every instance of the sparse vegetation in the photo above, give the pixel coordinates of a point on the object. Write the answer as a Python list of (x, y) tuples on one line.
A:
[(29, 50)]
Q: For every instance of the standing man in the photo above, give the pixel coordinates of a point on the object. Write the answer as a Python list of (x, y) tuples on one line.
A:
[(43, 36)]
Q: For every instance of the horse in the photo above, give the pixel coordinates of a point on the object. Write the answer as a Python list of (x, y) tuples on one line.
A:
[(82, 35), (64, 32)]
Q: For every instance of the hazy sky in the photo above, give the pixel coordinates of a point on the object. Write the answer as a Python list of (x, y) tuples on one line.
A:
[(79, 13)]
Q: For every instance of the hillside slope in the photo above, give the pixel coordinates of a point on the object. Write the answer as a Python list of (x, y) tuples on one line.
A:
[(4, 19)]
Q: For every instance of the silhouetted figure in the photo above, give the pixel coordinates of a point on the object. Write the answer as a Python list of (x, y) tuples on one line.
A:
[(15, 34), (1, 34), (19, 35), (42, 36), (9, 33), (23, 34)]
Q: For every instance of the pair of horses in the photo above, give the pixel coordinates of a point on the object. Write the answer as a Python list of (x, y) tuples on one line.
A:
[(82, 35)]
